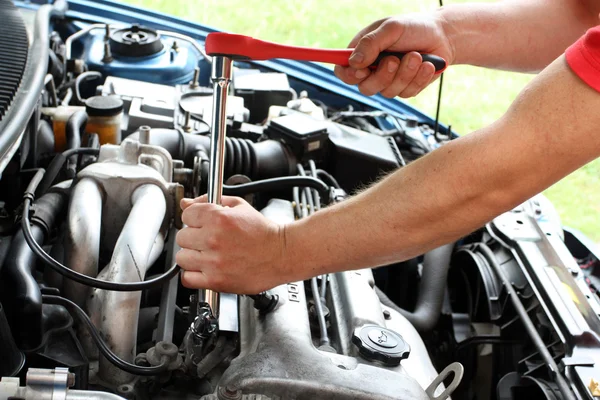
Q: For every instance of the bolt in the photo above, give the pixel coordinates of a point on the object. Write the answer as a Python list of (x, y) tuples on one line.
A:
[(70, 379), (194, 82), (175, 47), (144, 137), (386, 314), (107, 32), (186, 124), (107, 54), (229, 394)]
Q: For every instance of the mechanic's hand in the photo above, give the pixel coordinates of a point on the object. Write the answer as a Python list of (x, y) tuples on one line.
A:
[(416, 32), (231, 248)]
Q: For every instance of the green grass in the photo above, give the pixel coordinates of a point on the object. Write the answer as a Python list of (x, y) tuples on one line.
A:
[(473, 97)]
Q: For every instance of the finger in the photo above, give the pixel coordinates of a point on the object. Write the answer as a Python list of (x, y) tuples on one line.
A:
[(194, 280), (381, 78), (350, 75), (423, 77), (232, 201), (185, 203), (198, 239), (189, 260), (374, 42), (197, 215), (408, 69)]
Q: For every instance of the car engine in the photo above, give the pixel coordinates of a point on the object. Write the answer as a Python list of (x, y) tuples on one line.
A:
[(105, 122)]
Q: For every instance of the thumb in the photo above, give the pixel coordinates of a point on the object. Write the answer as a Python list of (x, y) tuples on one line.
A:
[(185, 203), (372, 43), (231, 201)]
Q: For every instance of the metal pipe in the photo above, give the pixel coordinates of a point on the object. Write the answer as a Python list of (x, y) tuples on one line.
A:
[(188, 39), (221, 77), (82, 238), (77, 35), (116, 313)]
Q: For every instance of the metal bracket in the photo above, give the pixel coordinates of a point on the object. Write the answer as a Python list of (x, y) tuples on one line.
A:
[(457, 370)]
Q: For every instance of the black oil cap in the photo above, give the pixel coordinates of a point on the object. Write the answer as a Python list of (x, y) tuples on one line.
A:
[(135, 41), (103, 106), (380, 344)]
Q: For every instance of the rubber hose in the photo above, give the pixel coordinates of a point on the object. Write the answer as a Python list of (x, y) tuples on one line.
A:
[(436, 265), (266, 159), (23, 297), (74, 128)]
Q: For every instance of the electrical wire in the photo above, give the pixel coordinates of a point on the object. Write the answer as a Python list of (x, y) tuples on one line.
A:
[(77, 312), (67, 272), (307, 195), (313, 173), (321, 173)]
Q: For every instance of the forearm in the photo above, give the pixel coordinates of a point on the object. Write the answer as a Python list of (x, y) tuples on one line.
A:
[(457, 188), (516, 35)]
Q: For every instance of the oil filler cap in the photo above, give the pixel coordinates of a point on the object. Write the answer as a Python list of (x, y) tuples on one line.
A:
[(380, 344)]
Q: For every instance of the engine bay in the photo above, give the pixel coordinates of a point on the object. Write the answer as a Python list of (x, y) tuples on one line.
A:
[(105, 125)]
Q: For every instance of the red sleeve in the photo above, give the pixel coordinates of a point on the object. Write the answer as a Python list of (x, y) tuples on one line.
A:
[(584, 57)]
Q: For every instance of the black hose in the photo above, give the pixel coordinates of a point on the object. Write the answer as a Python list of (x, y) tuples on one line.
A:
[(56, 164), (266, 159), (74, 128), (280, 183), (436, 264), (84, 76), (77, 312), (553, 369), (32, 82), (21, 292), (69, 273)]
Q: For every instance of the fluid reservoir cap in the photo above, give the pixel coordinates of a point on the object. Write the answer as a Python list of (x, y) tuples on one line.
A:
[(135, 41), (103, 106), (412, 122), (380, 344)]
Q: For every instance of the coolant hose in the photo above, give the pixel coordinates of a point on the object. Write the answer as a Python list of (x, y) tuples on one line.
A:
[(74, 128), (21, 295), (436, 264)]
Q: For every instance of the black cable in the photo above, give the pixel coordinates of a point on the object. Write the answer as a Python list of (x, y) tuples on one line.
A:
[(321, 173), (279, 183), (439, 100), (68, 272), (75, 310)]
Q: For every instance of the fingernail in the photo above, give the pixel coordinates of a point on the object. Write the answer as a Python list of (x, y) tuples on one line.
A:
[(361, 73), (357, 57), (413, 63), (393, 66)]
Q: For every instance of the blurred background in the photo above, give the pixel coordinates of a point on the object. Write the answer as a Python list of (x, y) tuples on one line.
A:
[(472, 97)]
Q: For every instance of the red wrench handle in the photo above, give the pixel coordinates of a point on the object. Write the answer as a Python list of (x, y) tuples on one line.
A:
[(240, 47)]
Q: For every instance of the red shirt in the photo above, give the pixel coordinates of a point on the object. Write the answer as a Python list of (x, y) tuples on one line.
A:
[(584, 57)]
